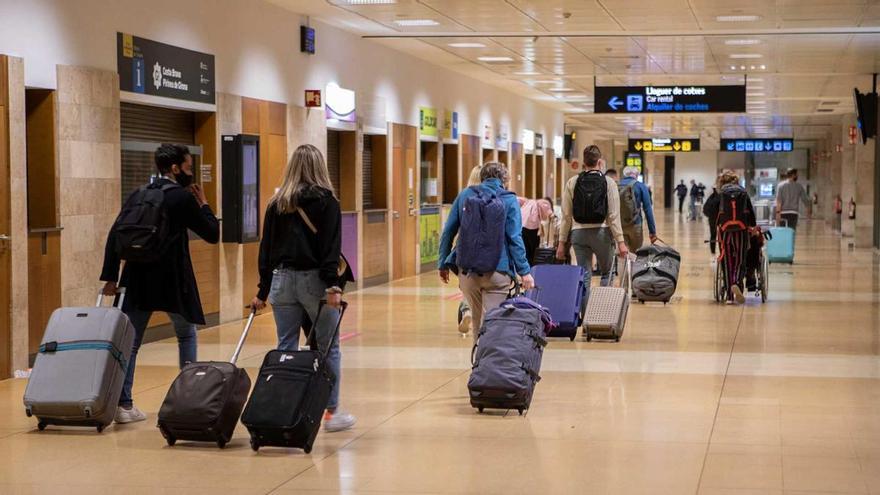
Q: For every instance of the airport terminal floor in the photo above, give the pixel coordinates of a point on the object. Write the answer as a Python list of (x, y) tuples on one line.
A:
[(774, 398)]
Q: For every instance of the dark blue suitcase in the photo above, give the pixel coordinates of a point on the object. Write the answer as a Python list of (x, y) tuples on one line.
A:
[(560, 288)]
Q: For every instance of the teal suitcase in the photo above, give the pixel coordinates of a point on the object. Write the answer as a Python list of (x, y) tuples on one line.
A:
[(780, 248)]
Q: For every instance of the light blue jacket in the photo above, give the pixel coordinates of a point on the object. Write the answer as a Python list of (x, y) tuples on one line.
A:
[(513, 259), (643, 202)]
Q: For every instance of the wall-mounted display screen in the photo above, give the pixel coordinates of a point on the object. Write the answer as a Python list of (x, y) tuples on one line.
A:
[(670, 99), (241, 188), (767, 189), (307, 39), (773, 145)]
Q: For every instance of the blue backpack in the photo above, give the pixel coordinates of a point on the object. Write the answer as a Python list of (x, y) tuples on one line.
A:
[(481, 233)]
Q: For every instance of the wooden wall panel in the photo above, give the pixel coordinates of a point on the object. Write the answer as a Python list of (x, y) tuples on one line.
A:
[(452, 184), (540, 177), (375, 245), (348, 178), (528, 176), (517, 169), (44, 284), (405, 201), (470, 155), (5, 251), (42, 165), (380, 172)]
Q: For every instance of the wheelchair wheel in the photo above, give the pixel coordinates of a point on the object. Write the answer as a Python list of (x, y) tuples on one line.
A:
[(720, 285)]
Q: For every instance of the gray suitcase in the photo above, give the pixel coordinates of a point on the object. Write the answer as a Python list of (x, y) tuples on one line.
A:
[(80, 367), (607, 308)]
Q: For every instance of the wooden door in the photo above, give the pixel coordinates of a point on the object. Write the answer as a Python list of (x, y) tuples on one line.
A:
[(404, 201), (5, 229), (539, 177), (517, 170)]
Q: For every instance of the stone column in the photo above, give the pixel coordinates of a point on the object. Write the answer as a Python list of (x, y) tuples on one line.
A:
[(847, 180), (231, 254), (90, 176), (864, 194)]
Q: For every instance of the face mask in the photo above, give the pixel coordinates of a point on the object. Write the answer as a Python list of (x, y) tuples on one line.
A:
[(184, 179)]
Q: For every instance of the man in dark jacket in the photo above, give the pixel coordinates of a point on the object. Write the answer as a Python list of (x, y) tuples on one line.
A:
[(167, 285), (681, 191)]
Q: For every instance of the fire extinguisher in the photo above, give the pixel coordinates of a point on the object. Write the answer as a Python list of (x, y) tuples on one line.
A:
[(852, 209)]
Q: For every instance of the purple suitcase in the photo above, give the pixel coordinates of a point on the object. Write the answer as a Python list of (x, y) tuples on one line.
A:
[(560, 288)]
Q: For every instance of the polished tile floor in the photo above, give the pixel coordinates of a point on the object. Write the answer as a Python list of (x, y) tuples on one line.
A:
[(781, 398)]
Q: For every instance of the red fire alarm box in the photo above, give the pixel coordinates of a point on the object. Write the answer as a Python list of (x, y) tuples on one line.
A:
[(313, 98)]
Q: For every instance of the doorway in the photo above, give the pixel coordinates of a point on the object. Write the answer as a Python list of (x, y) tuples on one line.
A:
[(529, 176), (5, 232), (559, 181), (404, 201), (668, 181)]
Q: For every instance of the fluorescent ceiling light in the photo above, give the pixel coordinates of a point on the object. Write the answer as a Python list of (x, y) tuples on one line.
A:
[(416, 22), (467, 45), (370, 2), (753, 94), (756, 79), (745, 55), (495, 59), (545, 81), (737, 18), (560, 90), (527, 73), (742, 42)]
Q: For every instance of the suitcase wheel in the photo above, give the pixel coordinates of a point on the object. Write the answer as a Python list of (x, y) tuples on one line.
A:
[(589, 338), (307, 449), (221, 443), (520, 411), (643, 301), (41, 426), (571, 339), (255, 444), (100, 428), (480, 409), (617, 339), (28, 413), (170, 440)]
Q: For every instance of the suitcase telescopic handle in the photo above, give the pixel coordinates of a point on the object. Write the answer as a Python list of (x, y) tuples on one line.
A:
[(120, 297), (313, 336), (244, 334), (626, 276)]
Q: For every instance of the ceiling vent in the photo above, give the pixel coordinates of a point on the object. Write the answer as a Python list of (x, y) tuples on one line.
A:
[(829, 103)]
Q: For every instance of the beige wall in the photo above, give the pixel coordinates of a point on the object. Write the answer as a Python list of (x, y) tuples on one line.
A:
[(18, 213), (863, 230), (90, 176), (231, 261)]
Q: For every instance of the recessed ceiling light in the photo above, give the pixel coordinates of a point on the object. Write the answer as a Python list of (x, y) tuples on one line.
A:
[(560, 90), (763, 67), (416, 22), (742, 42), (495, 59), (756, 79), (754, 94), (732, 67), (545, 81), (527, 73), (737, 18), (745, 55), (467, 45)]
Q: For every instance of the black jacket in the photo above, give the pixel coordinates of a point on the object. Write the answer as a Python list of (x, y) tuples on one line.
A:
[(710, 208), (288, 242), (168, 285)]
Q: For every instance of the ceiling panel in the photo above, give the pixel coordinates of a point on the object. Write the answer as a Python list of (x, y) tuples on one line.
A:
[(485, 15)]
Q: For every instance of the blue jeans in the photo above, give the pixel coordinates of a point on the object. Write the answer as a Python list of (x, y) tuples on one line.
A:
[(186, 345), (586, 243), (293, 294)]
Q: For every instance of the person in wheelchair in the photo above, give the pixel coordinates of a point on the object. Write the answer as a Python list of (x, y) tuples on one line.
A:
[(736, 224)]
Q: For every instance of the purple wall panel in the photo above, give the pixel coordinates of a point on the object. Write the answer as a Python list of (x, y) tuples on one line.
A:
[(350, 240)]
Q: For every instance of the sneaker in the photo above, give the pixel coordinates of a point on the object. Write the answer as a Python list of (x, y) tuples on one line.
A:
[(738, 294), (464, 325), (338, 421), (132, 415)]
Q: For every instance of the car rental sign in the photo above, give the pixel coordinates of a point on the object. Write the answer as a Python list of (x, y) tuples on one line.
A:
[(670, 99)]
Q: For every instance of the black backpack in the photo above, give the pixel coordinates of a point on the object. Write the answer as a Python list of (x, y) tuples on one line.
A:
[(590, 203), (732, 210), (142, 228)]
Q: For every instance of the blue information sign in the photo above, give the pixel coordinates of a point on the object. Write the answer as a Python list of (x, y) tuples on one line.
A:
[(767, 145), (670, 99)]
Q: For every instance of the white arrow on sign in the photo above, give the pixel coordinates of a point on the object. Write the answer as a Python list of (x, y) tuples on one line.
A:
[(615, 103)]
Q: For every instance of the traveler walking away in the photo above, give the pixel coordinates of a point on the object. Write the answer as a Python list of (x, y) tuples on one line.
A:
[(635, 199), (789, 196), (465, 316), (694, 196), (591, 219), (611, 173), (701, 192), (736, 218), (710, 210), (150, 234), (534, 213), (489, 251), (299, 265), (681, 190)]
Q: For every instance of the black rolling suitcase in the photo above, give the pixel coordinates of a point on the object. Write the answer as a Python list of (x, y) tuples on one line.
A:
[(205, 400), (290, 395)]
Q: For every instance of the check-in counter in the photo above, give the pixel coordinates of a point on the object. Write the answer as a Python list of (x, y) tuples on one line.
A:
[(430, 229)]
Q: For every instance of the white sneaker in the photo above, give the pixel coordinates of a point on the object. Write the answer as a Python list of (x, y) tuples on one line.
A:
[(464, 326), (338, 421), (738, 294), (132, 415)]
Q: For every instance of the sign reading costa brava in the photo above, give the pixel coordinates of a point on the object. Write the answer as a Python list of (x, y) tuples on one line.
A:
[(153, 68), (670, 99)]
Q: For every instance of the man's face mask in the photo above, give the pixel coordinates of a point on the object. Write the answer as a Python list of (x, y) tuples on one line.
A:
[(183, 173)]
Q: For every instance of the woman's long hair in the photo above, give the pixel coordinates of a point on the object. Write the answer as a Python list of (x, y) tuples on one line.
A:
[(305, 169), (474, 178)]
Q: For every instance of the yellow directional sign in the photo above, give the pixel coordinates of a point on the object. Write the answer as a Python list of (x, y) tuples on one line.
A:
[(648, 146), (676, 146), (638, 146), (668, 145), (686, 146)]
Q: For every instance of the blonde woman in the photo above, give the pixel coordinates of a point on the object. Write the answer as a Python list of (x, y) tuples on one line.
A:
[(474, 179), (298, 267), (465, 316)]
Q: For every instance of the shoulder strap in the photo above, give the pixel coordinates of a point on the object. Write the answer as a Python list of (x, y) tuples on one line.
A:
[(305, 219)]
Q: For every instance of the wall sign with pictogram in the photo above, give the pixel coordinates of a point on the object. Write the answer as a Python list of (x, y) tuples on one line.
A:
[(153, 68), (664, 145)]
